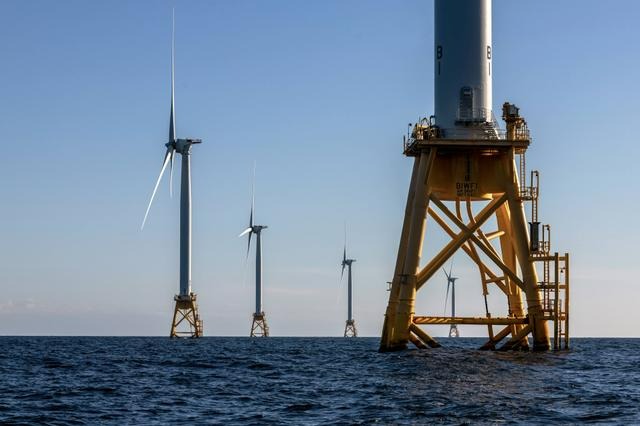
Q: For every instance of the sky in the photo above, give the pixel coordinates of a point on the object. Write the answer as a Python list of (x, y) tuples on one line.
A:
[(318, 94)]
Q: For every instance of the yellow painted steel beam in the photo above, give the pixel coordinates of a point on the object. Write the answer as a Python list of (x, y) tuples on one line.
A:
[(483, 268), (499, 263), (517, 339), (402, 248), (546, 258), (401, 305), (186, 311), (490, 252), (556, 304), (566, 300), (494, 234), (466, 249), (413, 328), (416, 341), (493, 341), (508, 256), (479, 231), (539, 330), (436, 263), (469, 320)]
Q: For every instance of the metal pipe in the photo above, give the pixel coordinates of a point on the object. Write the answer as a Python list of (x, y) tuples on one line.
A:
[(399, 328), (556, 303), (185, 224), (541, 341), (394, 292), (566, 300), (469, 320)]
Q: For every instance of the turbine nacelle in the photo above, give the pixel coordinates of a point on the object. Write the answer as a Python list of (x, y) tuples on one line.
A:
[(182, 146), (345, 262), (257, 228), (254, 229)]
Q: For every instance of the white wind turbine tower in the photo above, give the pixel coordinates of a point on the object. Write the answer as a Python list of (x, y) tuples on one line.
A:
[(350, 326), (259, 325), (186, 308)]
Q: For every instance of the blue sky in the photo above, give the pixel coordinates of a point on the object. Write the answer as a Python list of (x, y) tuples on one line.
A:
[(319, 94)]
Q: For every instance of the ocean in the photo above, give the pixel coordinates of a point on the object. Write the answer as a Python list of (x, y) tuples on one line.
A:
[(307, 381)]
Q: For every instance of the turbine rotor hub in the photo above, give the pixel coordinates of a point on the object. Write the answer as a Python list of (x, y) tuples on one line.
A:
[(183, 146)]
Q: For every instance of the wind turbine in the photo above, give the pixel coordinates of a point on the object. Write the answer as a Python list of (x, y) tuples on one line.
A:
[(451, 283), (350, 326), (259, 325), (186, 308)]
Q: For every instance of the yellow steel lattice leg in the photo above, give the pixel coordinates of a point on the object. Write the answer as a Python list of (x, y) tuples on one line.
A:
[(259, 327), (448, 173), (350, 329), (186, 319)]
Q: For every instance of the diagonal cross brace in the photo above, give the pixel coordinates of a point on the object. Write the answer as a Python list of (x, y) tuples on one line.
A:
[(466, 232), (489, 252), (493, 277)]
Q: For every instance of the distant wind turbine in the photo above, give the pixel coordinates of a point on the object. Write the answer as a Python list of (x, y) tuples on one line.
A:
[(186, 308), (451, 283), (350, 326), (259, 325)]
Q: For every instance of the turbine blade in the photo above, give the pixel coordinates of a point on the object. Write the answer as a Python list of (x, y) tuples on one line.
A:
[(249, 245), (344, 251), (173, 154), (245, 232), (253, 196), (445, 272), (451, 267), (155, 188), (172, 117), (345, 240)]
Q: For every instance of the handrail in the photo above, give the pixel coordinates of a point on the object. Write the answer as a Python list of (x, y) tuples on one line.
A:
[(426, 128)]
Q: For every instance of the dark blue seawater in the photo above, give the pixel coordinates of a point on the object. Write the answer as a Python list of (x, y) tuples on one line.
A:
[(120, 380)]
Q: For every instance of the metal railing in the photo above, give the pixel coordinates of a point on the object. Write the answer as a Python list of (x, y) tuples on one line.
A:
[(522, 134), (483, 129), (528, 193), (488, 132), (474, 115)]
